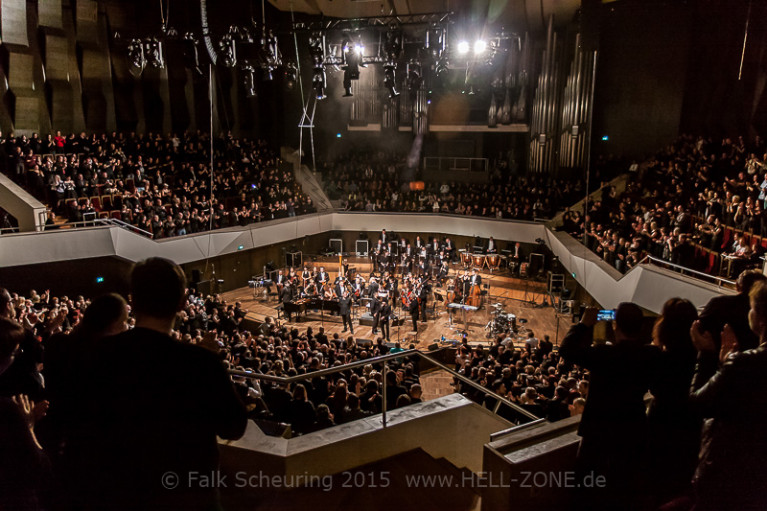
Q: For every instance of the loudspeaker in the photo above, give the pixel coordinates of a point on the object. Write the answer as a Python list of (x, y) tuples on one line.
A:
[(364, 342), (433, 346)]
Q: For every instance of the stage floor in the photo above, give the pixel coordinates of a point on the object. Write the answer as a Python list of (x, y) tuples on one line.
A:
[(523, 298)]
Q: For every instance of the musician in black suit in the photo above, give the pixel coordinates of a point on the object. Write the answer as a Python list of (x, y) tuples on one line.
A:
[(286, 295), (449, 247), (418, 243), (382, 317), (423, 295), (375, 305), (373, 287), (491, 248), (434, 247), (475, 279), (423, 267), (414, 310), (322, 276), (344, 310), (384, 237), (444, 269)]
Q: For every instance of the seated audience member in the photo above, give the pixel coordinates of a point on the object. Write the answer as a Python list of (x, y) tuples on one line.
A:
[(614, 424), (164, 405), (728, 390)]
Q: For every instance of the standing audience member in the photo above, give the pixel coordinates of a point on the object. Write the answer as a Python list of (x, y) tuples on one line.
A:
[(163, 407), (613, 428), (728, 390)]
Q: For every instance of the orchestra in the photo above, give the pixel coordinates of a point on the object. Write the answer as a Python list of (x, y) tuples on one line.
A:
[(403, 276)]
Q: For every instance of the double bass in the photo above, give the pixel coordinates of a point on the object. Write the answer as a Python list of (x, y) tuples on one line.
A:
[(474, 296)]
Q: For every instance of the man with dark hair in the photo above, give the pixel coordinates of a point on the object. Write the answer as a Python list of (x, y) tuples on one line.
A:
[(159, 405), (732, 310), (22, 377), (613, 427), (344, 310)]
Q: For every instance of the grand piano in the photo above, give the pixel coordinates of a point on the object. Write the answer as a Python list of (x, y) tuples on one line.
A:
[(306, 305)]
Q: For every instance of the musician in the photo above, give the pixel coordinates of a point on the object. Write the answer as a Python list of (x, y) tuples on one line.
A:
[(516, 257), (381, 317), (423, 295), (406, 263), (491, 246), (311, 289), (345, 266), (344, 310), (434, 248), (411, 302), (373, 287), (402, 244), (449, 248), (281, 280), (418, 243), (444, 270), (306, 275), (359, 287), (383, 261), (464, 283), (384, 237), (322, 277), (409, 251), (423, 267), (475, 279), (340, 286), (286, 295)]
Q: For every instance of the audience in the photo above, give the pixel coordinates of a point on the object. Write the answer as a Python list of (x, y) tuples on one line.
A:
[(381, 182), (683, 198), (161, 185)]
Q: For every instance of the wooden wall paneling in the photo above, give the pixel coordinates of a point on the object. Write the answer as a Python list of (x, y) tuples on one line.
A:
[(13, 15), (49, 14)]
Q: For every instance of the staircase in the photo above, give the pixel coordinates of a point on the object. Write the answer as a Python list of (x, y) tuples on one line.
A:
[(411, 481)]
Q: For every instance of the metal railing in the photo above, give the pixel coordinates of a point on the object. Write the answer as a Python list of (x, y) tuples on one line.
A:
[(98, 222), (719, 281), (385, 359)]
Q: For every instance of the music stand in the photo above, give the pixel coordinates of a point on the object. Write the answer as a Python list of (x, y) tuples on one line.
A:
[(437, 298)]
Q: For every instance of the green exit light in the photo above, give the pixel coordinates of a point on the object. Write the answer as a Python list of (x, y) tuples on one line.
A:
[(240, 247), (605, 138), (573, 274), (99, 280)]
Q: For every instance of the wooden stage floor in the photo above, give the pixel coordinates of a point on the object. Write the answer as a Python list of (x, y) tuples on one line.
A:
[(523, 298)]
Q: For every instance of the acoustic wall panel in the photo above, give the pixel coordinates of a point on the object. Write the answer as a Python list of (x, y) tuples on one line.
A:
[(49, 13), (56, 58), (13, 14)]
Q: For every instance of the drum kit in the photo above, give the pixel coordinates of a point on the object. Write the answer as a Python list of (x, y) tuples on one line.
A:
[(501, 321)]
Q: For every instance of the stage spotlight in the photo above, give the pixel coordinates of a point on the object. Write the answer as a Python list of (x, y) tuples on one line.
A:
[(249, 81), (228, 50), (359, 49), (291, 75), (389, 79), (318, 82), (414, 79), (479, 47), (463, 47), (153, 52), (191, 54), (136, 56)]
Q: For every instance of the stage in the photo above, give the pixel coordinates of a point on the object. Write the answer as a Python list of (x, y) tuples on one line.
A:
[(522, 297)]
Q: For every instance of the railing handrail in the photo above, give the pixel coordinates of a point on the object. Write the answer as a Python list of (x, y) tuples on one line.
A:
[(96, 222), (383, 359), (686, 269)]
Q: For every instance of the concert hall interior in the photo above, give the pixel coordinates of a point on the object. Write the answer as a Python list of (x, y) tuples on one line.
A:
[(468, 255)]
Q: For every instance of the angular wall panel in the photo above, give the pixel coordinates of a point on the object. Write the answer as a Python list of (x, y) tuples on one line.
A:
[(49, 13), (87, 15), (20, 71), (56, 58), (13, 14)]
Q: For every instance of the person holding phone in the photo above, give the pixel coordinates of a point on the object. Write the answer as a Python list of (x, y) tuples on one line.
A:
[(614, 423)]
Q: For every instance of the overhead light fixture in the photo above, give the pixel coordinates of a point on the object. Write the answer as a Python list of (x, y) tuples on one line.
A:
[(389, 79), (153, 52), (291, 75), (249, 80), (463, 47), (479, 47)]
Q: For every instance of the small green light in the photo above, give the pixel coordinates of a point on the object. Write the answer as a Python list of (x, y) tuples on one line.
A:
[(573, 274), (240, 247), (99, 280)]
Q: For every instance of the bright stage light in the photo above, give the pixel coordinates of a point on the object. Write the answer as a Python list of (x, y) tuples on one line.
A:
[(479, 46), (463, 47)]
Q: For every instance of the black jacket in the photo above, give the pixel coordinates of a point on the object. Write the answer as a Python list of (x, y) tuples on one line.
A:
[(620, 378)]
